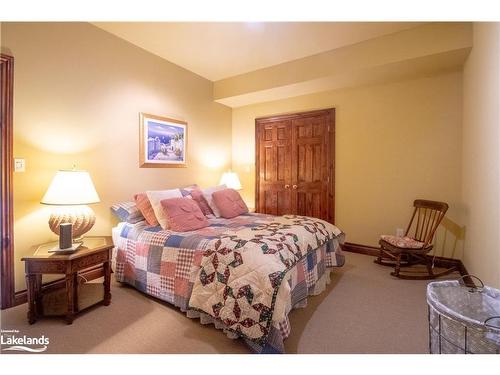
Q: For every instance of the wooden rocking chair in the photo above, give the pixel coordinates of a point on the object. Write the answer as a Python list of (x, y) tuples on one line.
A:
[(413, 248)]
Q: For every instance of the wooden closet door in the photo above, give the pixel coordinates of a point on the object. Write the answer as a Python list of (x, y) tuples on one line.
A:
[(274, 167), (295, 164), (310, 172)]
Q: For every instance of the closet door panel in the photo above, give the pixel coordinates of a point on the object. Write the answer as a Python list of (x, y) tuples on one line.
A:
[(310, 173), (309, 204), (276, 202), (274, 144)]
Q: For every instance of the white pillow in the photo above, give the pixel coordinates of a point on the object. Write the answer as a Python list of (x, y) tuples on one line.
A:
[(207, 193), (155, 197)]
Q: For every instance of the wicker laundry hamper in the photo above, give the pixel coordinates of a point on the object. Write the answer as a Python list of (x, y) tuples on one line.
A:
[(463, 319)]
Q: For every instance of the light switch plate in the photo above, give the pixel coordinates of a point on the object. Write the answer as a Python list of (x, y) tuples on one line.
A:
[(19, 165)]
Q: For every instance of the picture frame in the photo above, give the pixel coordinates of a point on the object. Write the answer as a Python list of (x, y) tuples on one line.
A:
[(162, 142)]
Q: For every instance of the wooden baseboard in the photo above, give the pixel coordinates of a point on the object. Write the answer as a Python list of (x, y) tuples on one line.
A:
[(87, 275), (360, 249), (438, 261)]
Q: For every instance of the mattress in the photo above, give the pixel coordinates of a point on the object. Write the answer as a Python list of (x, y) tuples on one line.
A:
[(170, 266)]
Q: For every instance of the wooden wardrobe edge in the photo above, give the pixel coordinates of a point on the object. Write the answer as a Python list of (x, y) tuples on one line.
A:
[(6, 190)]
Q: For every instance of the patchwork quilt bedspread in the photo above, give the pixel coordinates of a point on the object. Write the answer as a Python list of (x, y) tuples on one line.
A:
[(243, 274)]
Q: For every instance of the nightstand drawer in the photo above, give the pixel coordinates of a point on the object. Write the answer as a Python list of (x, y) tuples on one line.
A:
[(90, 260), (46, 267)]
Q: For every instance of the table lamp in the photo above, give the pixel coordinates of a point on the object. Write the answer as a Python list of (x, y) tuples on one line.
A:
[(71, 191), (231, 180)]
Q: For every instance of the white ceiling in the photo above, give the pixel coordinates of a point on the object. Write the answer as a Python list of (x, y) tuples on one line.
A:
[(217, 50)]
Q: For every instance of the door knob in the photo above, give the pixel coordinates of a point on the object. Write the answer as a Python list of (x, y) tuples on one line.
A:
[(287, 186), (294, 187)]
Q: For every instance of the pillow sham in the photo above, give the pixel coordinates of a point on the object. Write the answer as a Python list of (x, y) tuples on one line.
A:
[(194, 191), (207, 194), (155, 197), (198, 197), (229, 203), (183, 214), (144, 205), (187, 191), (127, 212)]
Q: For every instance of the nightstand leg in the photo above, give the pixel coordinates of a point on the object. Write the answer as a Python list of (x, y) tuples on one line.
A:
[(70, 313), (38, 294), (31, 287), (107, 283), (75, 293)]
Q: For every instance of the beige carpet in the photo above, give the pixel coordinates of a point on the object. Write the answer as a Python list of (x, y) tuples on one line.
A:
[(364, 310)]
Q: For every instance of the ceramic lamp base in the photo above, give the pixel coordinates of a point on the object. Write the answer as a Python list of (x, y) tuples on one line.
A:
[(81, 217)]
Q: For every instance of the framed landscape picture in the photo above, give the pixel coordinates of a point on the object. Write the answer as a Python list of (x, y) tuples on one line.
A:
[(163, 142)]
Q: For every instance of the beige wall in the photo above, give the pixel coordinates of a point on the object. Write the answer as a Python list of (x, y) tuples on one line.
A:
[(78, 93), (394, 143), (481, 153)]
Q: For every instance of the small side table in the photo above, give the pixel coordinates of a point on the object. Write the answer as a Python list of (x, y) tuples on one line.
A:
[(93, 251)]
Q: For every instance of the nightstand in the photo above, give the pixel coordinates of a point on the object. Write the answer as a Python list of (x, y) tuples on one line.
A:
[(94, 251)]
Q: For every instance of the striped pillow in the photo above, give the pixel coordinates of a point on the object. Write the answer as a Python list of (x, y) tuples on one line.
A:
[(127, 211), (144, 205)]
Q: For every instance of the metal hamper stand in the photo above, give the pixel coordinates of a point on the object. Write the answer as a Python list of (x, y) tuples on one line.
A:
[(463, 319)]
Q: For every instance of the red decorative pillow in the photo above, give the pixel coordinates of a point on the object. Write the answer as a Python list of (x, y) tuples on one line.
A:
[(183, 214), (229, 203), (144, 205), (198, 197)]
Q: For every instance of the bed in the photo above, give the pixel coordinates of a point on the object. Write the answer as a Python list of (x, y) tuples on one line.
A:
[(244, 274)]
